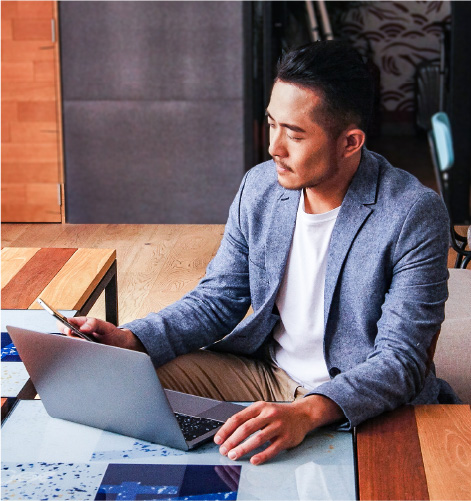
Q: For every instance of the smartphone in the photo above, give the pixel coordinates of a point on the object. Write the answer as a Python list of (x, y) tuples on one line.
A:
[(64, 321)]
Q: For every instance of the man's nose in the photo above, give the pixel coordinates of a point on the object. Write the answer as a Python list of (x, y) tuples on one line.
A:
[(277, 147)]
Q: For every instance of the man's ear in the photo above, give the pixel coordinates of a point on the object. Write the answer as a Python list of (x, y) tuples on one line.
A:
[(352, 141)]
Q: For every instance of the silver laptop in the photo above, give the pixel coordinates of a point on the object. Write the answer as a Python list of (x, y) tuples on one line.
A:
[(115, 389)]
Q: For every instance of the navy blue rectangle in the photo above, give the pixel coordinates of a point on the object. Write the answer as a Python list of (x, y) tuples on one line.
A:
[(172, 482), (9, 351)]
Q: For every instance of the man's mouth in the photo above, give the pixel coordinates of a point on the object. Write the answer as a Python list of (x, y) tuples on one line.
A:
[(281, 167)]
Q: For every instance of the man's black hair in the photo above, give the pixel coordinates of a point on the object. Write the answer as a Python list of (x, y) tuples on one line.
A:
[(337, 71)]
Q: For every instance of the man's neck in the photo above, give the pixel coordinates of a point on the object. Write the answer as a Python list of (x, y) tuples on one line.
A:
[(319, 200), (314, 204)]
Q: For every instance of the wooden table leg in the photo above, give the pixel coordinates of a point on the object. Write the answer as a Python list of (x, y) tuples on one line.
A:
[(111, 297), (109, 284), (6, 406)]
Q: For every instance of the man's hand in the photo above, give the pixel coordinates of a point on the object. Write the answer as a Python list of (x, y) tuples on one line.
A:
[(104, 332), (283, 425)]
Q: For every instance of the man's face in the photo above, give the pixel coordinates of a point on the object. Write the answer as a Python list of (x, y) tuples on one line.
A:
[(304, 152)]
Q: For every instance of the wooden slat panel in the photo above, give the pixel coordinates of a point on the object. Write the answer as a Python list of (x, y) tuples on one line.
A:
[(32, 172), (60, 142), (42, 194), (15, 51), (34, 213), (75, 282), (30, 202), (28, 91), (31, 126), (390, 463), (13, 259), (445, 439), (16, 192), (34, 9), (35, 132), (44, 71), (6, 134), (29, 152), (32, 29), (18, 72), (7, 28), (30, 194), (9, 10), (37, 112), (9, 112), (33, 277)]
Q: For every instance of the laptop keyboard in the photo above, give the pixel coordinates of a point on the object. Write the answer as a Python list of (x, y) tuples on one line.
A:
[(193, 427)]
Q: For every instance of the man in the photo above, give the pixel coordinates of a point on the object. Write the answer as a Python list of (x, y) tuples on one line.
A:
[(343, 259)]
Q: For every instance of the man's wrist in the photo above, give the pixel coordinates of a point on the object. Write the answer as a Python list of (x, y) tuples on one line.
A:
[(132, 341), (320, 410)]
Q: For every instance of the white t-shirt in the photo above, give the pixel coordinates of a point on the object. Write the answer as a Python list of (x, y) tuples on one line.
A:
[(299, 335)]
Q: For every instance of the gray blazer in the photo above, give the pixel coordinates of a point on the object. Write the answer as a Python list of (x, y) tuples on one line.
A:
[(385, 289)]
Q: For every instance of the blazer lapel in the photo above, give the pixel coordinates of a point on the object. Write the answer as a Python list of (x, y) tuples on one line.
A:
[(352, 215), (280, 235)]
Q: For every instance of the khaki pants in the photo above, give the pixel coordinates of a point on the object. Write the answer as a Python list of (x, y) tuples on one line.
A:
[(223, 376)]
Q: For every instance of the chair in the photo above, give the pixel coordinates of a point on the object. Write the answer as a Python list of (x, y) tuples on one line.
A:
[(441, 145)]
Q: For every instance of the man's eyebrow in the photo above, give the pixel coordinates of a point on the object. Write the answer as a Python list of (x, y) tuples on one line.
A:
[(292, 127)]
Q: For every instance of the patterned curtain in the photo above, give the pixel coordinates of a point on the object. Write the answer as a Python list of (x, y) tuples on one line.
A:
[(398, 36)]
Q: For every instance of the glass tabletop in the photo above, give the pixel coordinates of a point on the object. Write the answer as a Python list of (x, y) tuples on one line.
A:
[(47, 458)]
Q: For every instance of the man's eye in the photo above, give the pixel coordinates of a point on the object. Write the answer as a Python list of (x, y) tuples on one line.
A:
[(294, 138)]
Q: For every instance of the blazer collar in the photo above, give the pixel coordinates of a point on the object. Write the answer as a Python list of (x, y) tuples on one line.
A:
[(280, 235), (353, 213)]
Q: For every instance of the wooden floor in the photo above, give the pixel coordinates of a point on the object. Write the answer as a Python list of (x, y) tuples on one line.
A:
[(157, 264)]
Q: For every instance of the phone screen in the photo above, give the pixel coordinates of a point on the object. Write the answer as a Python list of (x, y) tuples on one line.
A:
[(64, 321)]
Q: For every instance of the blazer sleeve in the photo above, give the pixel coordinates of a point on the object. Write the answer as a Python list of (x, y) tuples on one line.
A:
[(211, 310), (394, 372)]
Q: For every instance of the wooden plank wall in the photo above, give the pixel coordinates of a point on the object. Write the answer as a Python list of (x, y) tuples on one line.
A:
[(31, 113)]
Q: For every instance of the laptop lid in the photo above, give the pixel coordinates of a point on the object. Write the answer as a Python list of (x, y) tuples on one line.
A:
[(110, 388)]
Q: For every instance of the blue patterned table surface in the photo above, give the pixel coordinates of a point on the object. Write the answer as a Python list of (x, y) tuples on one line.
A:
[(9, 352), (46, 458)]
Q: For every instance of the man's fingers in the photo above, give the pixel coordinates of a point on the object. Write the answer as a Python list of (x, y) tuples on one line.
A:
[(240, 448), (235, 421), (75, 321), (87, 324), (244, 431), (270, 452)]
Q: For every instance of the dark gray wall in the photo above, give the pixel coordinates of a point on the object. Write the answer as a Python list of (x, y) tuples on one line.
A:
[(153, 103)]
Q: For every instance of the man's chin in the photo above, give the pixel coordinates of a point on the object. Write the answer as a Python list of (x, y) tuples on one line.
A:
[(285, 183)]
